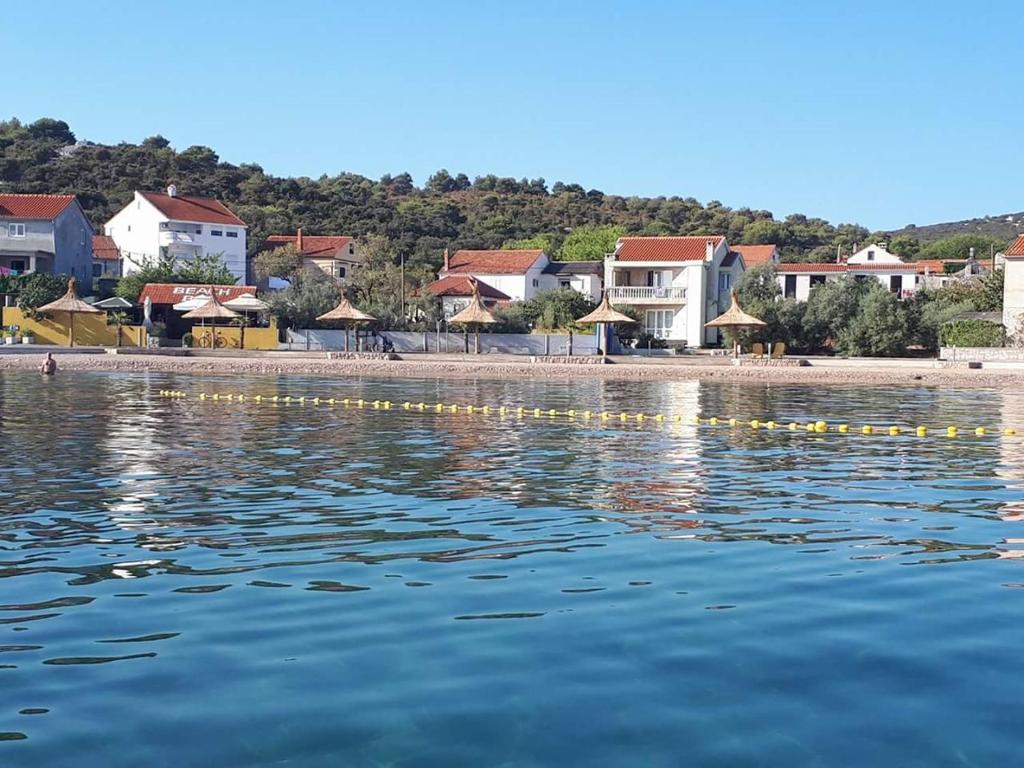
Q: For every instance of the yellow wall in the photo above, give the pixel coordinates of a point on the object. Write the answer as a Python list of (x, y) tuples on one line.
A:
[(90, 330), (229, 337)]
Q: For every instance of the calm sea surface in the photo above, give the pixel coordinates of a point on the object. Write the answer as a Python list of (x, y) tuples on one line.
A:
[(187, 583)]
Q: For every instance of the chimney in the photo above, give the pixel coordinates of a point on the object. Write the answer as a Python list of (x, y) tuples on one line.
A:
[(172, 191), (298, 238), (447, 260), (709, 250)]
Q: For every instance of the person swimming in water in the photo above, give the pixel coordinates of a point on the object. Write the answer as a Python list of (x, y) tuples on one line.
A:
[(49, 366)]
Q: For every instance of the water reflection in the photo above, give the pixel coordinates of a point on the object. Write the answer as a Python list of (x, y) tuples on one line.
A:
[(201, 536)]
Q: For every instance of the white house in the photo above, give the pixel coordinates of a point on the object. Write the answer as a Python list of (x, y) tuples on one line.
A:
[(456, 293), (516, 273), (181, 226), (796, 280), (587, 277), (334, 255), (676, 283), (1013, 288), (874, 254)]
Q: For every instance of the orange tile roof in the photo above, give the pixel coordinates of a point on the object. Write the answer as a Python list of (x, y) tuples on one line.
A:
[(754, 255), (498, 262), (172, 293), (685, 248), (205, 210), (44, 207), (1017, 248), (882, 266), (461, 285), (104, 248), (312, 245)]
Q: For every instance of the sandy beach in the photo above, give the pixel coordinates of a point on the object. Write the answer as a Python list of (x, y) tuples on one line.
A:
[(837, 372)]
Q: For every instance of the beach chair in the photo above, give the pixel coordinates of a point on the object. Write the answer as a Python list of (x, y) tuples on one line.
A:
[(778, 350), (757, 350)]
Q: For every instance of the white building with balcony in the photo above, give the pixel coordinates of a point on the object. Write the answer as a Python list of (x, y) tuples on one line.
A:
[(180, 226), (676, 283)]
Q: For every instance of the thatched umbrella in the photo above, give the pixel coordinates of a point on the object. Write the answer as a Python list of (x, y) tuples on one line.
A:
[(346, 314), (73, 305), (605, 314), (735, 319), (475, 314), (211, 310)]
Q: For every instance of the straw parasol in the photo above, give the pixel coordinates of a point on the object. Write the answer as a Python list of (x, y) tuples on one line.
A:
[(345, 313), (211, 310), (475, 314), (73, 305), (735, 319), (605, 314)]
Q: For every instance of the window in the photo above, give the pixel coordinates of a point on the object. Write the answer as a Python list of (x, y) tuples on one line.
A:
[(817, 280), (789, 289), (871, 255), (654, 279), (232, 233), (81, 237), (565, 284), (658, 322), (216, 232), (18, 267), (199, 230), (16, 230), (724, 282), (351, 249), (339, 271), (97, 270), (536, 282)]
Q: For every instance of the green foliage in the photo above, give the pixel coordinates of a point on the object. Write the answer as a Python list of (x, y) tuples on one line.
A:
[(188, 340), (309, 296), (205, 270), (646, 340), (590, 243), (557, 309), (38, 289), (831, 308), (376, 287), (284, 262), (973, 333), (959, 247), (906, 247), (882, 328), (546, 241)]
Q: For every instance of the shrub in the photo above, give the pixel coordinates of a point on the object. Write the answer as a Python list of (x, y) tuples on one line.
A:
[(188, 340), (645, 340), (972, 333)]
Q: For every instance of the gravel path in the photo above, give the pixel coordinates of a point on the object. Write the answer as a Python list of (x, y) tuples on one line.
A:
[(879, 373)]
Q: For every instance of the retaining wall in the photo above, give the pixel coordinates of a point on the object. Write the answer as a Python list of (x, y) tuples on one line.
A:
[(994, 354), (415, 341)]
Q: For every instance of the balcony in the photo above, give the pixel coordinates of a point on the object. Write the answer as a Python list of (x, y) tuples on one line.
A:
[(169, 237), (627, 294)]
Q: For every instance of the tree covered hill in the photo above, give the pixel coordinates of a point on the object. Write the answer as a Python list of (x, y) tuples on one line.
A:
[(448, 211)]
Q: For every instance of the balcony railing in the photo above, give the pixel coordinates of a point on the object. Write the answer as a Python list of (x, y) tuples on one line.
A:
[(627, 294), (169, 237)]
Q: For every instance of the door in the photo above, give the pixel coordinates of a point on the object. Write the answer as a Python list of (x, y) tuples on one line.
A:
[(658, 322), (790, 288), (896, 283)]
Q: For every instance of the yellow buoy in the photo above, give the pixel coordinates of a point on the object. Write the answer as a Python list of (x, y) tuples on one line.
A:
[(732, 422), (258, 398), (713, 421), (793, 426), (894, 430), (659, 417), (470, 409), (696, 419), (979, 431), (552, 412), (486, 409), (330, 401), (605, 415), (843, 428), (1009, 432), (951, 431), (571, 414), (867, 429), (770, 425), (623, 416), (820, 426), (536, 412), (640, 417), (587, 414), (755, 424), (922, 431)]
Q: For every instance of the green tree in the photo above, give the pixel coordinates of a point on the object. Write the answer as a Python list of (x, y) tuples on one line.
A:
[(831, 309), (882, 328), (284, 262), (959, 247), (160, 270), (590, 243), (309, 296), (38, 289), (208, 268), (546, 241), (557, 309)]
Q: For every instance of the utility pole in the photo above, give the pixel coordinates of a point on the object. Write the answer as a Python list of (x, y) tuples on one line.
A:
[(402, 257)]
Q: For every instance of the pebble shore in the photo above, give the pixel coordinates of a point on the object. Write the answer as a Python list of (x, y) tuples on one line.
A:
[(881, 374)]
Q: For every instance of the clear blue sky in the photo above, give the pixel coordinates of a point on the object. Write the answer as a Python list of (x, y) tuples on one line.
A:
[(875, 112)]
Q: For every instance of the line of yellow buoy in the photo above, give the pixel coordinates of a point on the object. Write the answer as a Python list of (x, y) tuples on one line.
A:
[(816, 427)]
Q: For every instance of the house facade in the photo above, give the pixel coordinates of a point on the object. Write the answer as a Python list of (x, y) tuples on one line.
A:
[(45, 233), (180, 226), (1013, 288), (757, 255), (586, 277), (519, 274), (677, 284), (334, 255), (106, 258)]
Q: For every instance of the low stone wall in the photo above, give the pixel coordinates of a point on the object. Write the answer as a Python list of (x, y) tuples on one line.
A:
[(785, 362), (982, 354), (452, 342), (362, 356), (574, 360)]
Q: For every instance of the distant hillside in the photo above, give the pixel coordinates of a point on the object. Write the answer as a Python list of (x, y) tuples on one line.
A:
[(1005, 228)]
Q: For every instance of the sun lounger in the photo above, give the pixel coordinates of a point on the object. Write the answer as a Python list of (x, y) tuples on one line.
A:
[(778, 350), (757, 350)]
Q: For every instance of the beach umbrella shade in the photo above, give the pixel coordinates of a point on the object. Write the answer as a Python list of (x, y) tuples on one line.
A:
[(605, 314), (72, 305), (114, 302), (735, 319), (193, 302), (346, 314), (211, 310), (247, 303), (474, 314)]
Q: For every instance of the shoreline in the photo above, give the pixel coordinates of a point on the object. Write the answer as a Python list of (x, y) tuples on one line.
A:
[(876, 373)]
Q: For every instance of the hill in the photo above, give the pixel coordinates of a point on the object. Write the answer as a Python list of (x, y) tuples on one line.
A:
[(1004, 228), (448, 211)]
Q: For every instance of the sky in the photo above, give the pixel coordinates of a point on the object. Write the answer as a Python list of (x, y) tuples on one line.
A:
[(878, 113)]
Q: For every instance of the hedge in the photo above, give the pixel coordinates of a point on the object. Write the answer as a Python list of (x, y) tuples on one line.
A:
[(972, 333)]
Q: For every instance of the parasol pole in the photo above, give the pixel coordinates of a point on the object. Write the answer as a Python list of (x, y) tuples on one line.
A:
[(71, 331)]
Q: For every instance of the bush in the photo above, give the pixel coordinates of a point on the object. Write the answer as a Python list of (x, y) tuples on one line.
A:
[(972, 333), (188, 340), (645, 340)]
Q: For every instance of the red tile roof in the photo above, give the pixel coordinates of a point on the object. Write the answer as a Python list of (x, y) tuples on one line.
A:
[(811, 268), (754, 255), (45, 207), (104, 248), (205, 210), (314, 246), (493, 262), (882, 266), (170, 293), (688, 248), (1017, 249), (461, 285)]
